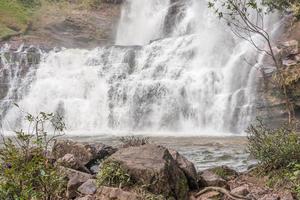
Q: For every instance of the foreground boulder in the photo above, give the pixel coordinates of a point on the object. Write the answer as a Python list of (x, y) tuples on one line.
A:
[(154, 167), (187, 167), (85, 153)]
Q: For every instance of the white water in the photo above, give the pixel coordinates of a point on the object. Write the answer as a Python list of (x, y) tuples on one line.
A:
[(195, 81)]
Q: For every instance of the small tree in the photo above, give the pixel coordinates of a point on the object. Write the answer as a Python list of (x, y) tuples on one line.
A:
[(27, 171), (246, 18)]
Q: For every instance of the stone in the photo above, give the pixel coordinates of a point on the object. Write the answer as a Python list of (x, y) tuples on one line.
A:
[(88, 188), (241, 190), (70, 161), (85, 153), (286, 196), (209, 178), (289, 48), (154, 167), (72, 187), (297, 58), (109, 193), (187, 167), (289, 62), (70, 173)]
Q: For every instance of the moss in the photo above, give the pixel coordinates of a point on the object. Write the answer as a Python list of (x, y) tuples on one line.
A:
[(183, 188), (14, 18), (113, 175)]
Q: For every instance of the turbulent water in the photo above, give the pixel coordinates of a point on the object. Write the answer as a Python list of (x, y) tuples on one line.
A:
[(175, 69)]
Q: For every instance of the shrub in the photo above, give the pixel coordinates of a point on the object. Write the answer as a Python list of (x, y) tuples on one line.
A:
[(26, 171), (275, 149), (134, 141), (112, 174)]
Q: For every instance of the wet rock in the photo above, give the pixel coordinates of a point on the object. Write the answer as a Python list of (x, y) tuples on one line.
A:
[(109, 193), (154, 167), (88, 188), (241, 190), (85, 153), (209, 178), (187, 167)]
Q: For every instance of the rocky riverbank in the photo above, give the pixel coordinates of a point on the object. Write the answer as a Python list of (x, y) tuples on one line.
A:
[(95, 171)]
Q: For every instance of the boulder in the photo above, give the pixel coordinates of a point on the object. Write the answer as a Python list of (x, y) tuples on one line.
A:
[(208, 178), (85, 153), (70, 161), (154, 167), (70, 173), (88, 188), (109, 193), (187, 167)]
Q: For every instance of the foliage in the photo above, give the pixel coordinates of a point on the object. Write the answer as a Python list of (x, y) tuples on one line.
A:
[(275, 149), (134, 141), (112, 174), (294, 176), (13, 18), (284, 5), (26, 171)]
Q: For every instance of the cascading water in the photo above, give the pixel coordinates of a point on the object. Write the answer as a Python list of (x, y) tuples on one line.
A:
[(191, 78)]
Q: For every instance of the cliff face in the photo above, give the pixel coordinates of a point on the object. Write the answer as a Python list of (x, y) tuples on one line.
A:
[(271, 105), (71, 25)]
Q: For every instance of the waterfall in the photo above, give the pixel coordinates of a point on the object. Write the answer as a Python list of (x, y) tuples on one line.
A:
[(181, 72)]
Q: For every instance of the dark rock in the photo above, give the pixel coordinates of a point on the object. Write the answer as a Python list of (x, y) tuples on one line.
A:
[(109, 193), (70, 161), (154, 167), (187, 167), (85, 153), (88, 188)]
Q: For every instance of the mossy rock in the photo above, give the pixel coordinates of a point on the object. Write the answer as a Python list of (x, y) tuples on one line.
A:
[(225, 172), (151, 167)]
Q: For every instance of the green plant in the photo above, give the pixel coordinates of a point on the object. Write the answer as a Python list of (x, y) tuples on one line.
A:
[(112, 174), (134, 141), (27, 172), (275, 149), (294, 176)]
